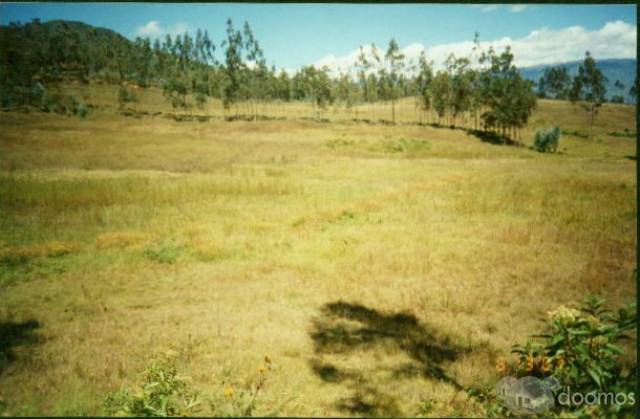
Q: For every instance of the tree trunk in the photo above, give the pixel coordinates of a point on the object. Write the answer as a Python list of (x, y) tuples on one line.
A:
[(593, 117), (393, 111)]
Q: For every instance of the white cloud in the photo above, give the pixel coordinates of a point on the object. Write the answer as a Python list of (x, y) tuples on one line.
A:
[(486, 8), (517, 8), (153, 29), (543, 46), (489, 8)]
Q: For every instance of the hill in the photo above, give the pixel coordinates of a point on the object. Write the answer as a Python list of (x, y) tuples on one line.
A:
[(57, 48), (623, 69)]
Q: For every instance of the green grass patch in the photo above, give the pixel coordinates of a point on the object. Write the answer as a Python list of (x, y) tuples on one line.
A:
[(406, 146), (164, 253)]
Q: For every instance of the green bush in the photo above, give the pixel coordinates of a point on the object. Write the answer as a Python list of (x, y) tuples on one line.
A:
[(126, 95), (60, 103), (582, 347), (547, 140), (617, 99), (175, 91), (582, 350), (82, 111), (19, 96), (244, 402), (162, 393), (201, 93)]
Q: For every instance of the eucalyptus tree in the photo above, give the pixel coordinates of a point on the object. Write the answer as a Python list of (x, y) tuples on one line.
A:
[(347, 91), (441, 93), (321, 83), (634, 89), (394, 63), (283, 89), (372, 88), (363, 66), (233, 66), (555, 83), (367, 68), (315, 85), (175, 91), (255, 77), (462, 85), (143, 61), (475, 74), (589, 88), (509, 97), (424, 83)]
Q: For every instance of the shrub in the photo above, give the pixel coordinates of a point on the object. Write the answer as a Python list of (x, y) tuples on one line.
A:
[(582, 351), (162, 393), (617, 99), (60, 103), (547, 140), (19, 96), (82, 111), (126, 95), (201, 92), (244, 402), (175, 91), (201, 99)]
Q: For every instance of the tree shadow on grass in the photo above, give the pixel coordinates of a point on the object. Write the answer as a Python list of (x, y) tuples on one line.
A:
[(12, 335), (346, 327), (493, 138)]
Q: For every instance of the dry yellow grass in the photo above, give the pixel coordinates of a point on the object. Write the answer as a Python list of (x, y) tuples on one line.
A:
[(380, 267), (21, 254), (120, 239)]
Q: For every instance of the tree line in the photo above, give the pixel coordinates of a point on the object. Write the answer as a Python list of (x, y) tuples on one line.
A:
[(587, 87), (483, 91)]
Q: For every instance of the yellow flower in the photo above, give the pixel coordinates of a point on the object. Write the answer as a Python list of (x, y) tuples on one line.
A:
[(267, 359), (261, 368), (530, 362), (228, 392), (501, 365), (560, 363), (545, 364), (564, 314)]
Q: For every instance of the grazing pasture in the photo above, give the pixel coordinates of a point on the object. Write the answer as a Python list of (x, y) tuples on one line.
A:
[(382, 268)]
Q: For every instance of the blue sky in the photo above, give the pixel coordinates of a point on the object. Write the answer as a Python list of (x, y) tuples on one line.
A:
[(296, 34)]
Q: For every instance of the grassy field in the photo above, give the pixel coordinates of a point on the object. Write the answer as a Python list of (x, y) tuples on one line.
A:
[(382, 268)]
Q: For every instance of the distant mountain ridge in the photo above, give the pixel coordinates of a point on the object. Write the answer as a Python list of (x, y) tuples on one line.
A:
[(623, 69)]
